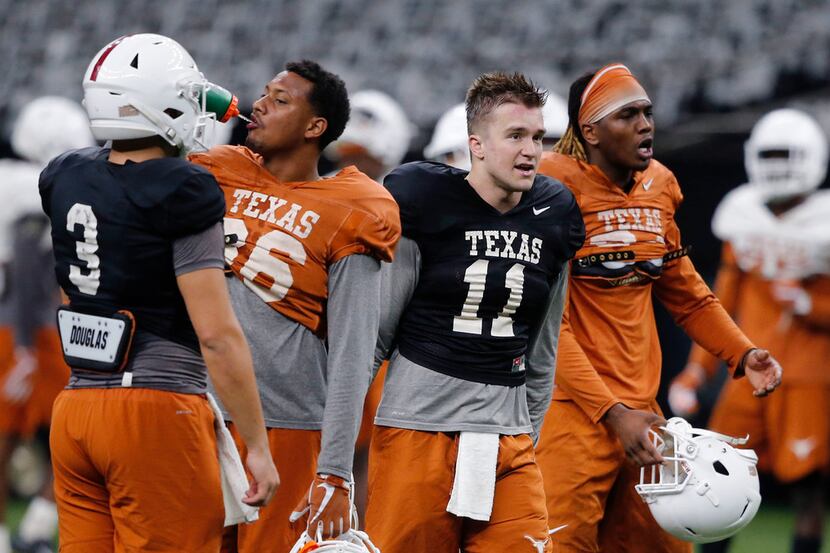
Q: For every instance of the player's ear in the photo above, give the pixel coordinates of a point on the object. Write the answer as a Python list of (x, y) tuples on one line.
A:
[(476, 146), (316, 127), (589, 133)]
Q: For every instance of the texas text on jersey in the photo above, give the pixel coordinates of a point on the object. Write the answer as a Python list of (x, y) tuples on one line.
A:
[(629, 235), (106, 217), (501, 267), (281, 238)]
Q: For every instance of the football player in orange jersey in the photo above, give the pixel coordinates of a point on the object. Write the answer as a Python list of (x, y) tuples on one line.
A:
[(608, 367), (775, 281), (304, 254)]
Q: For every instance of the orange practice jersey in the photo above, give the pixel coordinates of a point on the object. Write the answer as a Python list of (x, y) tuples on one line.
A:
[(281, 237), (800, 343), (609, 351)]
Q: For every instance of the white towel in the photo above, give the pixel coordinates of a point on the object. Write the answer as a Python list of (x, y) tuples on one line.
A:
[(475, 476), (234, 479)]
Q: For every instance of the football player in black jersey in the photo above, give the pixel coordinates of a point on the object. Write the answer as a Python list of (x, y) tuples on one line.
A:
[(474, 300), (138, 250)]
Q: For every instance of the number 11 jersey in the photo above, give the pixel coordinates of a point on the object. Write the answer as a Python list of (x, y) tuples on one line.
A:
[(485, 276)]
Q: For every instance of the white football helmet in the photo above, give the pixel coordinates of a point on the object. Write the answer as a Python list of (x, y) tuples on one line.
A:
[(449, 142), (786, 154), (379, 124), (49, 126), (706, 490), (146, 85), (555, 114)]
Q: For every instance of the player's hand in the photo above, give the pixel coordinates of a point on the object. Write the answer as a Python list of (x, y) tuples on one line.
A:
[(18, 385), (326, 505), (264, 477), (631, 427), (762, 371), (683, 390)]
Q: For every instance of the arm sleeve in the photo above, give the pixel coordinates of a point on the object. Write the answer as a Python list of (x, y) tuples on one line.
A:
[(727, 289), (398, 282), (541, 357), (696, 309), (353, 318), (203, 250)]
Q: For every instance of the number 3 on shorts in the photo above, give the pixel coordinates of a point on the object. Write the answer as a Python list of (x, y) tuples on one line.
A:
[(262, 260)]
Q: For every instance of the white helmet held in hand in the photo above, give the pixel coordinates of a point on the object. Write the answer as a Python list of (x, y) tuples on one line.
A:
[(147, 85), (786, 154), (706, 490), (450, 139), (49, 126)]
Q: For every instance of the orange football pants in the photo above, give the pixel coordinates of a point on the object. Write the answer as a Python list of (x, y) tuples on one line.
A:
[(411, 475), (49, 378), (136, 470), (295, 454), (789, 429), (590, 488)]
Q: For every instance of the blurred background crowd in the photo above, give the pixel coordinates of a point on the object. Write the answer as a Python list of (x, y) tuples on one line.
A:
[(712, 68)]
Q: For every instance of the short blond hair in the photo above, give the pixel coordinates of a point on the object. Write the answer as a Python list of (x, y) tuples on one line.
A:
[(491, 90)]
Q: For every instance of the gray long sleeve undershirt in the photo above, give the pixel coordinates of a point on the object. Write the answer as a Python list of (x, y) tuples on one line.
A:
[(310, 384), (420, 399), (353, 315)]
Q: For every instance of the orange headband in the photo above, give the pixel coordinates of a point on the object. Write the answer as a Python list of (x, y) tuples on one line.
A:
[(612, 87)]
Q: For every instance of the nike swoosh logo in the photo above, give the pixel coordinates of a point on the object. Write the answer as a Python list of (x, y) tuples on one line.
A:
[(326, 498), (558, 528), (647, 184), (540, 210)]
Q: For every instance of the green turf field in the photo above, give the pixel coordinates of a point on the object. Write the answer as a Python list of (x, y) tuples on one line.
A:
[(768, 533)]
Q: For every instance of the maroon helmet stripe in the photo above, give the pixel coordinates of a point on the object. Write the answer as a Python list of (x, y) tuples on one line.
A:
[(104, 55)]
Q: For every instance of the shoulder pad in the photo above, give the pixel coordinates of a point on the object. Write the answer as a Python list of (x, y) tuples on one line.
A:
[(180, 197), (413, 185)]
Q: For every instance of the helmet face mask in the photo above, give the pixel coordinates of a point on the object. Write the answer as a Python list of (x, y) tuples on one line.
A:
[(706, 490), (147, 85), (786, 154)]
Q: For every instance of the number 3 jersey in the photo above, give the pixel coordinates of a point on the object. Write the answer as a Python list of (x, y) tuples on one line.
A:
[(485, 276), (281, 238), (118, 232)]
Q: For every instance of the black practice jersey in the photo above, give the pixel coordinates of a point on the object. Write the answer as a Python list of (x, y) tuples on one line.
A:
[(113, 228), (485, 276)]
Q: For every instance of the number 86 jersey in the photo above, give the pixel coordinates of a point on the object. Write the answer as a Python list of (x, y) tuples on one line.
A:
[(485, 276), (281, 237)]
